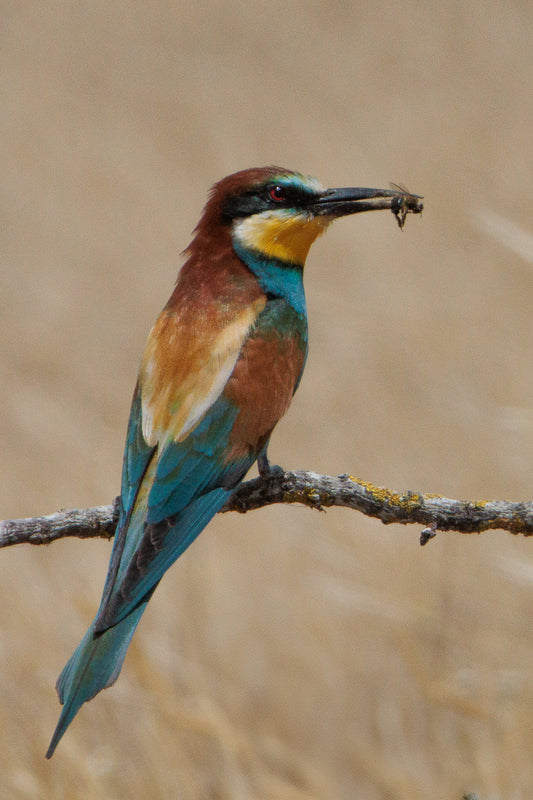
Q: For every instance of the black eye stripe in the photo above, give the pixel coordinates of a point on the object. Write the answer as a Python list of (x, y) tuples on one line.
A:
[(265, 197)]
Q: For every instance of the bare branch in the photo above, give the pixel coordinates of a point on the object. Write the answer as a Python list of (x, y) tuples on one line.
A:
[(86, 523), (309, 489)]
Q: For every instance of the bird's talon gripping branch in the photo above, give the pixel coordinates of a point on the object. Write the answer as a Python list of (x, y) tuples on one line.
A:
[(267, 470)]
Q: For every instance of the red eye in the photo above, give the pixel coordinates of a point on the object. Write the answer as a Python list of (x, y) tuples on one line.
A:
[(277, 194)]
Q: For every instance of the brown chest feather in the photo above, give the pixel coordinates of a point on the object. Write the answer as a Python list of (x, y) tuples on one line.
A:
[(262, 386)]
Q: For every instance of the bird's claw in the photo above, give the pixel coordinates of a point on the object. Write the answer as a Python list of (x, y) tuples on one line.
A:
[(268, 470)]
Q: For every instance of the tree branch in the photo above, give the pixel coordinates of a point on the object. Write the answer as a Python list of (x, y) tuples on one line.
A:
[(309, 489)]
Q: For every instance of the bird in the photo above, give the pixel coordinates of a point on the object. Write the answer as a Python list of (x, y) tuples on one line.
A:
[(220, 367)]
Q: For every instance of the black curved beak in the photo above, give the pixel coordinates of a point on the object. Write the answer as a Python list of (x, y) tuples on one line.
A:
[(341, 202)]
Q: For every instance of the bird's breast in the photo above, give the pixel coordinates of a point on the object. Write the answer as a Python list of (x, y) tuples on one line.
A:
[(263, 383)]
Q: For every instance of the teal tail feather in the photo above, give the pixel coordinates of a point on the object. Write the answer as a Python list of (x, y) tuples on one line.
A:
[(93, 666)]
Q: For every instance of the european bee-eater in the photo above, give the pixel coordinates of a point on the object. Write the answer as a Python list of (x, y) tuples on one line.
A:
[(219, 370)]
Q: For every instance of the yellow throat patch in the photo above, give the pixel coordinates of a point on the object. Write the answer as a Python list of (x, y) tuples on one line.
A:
[(281, 234)]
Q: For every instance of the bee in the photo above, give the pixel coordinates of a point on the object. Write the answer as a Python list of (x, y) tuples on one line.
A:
[(405, 203)]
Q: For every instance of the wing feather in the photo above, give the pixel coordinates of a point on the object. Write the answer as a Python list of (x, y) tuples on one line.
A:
[(177, 434)]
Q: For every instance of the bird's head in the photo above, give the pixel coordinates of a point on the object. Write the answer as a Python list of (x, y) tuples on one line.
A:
[(278, 213)]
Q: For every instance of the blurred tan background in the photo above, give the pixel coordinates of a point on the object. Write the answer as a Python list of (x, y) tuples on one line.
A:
[(288, 655)]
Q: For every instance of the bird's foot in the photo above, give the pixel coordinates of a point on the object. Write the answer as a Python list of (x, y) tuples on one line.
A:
[(268, 470)]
